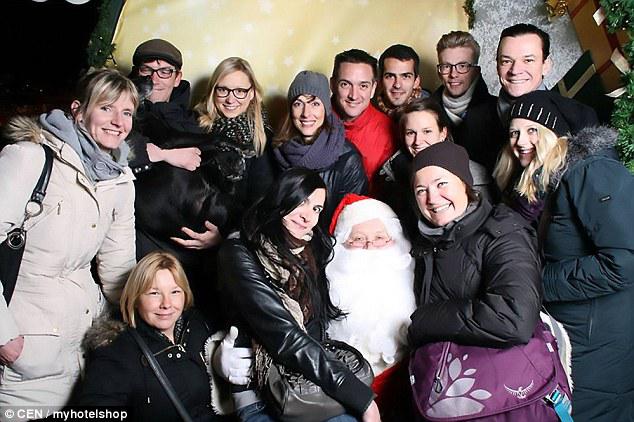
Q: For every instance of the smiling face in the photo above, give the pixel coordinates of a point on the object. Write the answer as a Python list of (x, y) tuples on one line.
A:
[(521, 65), (399, 80), (370, 234), (353, 89), (162, 304), (308, 113), (304, 217), (230, 106), (420, 130), (440, 195), (524, 137), (162, 88), (107, 124), (456, 83)]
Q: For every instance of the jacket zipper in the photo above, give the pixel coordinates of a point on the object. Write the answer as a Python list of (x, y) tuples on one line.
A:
[(438, 387)]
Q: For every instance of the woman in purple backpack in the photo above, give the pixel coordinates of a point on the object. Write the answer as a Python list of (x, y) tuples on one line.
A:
[(478, 283)]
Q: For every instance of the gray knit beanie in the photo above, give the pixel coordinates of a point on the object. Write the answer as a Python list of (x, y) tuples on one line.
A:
[(311, 83)]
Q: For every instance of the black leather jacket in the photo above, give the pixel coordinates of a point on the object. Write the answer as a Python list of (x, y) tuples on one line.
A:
[(256, 308)]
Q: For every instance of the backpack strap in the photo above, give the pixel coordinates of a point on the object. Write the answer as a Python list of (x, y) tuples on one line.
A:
[(561, 403)]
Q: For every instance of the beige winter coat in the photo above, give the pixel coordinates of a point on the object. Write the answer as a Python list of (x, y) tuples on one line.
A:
[(56, 299)]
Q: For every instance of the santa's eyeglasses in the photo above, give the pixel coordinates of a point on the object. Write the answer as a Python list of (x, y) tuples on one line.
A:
[(364, 243)]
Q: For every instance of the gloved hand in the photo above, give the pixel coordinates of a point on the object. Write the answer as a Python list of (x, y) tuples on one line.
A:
[(234, 364)]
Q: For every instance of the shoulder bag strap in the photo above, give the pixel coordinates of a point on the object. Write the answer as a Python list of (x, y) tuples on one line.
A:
[(167, 386), (40, 189)]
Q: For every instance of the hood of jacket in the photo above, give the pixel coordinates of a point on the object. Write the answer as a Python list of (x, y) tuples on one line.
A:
[(103, 332), (596, 140), (21, 128)]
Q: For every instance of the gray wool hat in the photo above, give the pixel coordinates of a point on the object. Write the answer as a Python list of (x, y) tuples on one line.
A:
[(311, 83)]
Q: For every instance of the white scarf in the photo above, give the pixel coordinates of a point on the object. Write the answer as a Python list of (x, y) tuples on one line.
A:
[(456, 106)]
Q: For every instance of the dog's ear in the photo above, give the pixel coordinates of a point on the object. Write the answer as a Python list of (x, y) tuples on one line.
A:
[(144, 85)]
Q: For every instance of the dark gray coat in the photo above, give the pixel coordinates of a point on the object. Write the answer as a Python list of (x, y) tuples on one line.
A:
[(589, 274)]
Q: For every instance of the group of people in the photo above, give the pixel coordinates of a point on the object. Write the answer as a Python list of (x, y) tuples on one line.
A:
[(379, 214)]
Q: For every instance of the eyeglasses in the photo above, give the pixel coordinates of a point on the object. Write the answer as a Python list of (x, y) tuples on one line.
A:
[(362, 242), (163, 72), (239, 93), (445, 68)]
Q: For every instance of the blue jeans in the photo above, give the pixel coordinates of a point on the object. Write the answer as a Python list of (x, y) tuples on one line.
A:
[(256, 412)]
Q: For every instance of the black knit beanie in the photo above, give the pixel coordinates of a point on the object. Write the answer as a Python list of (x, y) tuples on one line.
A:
[(447, 155), (546, 108)]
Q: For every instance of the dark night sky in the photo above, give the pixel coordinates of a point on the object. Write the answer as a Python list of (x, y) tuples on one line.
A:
[(44, 49)]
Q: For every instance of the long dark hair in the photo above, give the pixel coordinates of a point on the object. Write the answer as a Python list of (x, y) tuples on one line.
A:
[(263, 222)]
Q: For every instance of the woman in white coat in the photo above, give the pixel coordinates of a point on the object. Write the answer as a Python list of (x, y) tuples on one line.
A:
[(88, 212)]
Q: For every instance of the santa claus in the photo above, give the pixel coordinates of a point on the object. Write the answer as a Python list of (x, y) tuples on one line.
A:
[(371, 279)]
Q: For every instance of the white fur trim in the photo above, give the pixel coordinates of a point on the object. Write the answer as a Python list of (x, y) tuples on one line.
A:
[(563, 343), (359, 212), (221, 399)]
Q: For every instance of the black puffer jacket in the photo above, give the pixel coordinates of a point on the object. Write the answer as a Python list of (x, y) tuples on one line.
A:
[(117, 374), (484, 281), (257, 309)]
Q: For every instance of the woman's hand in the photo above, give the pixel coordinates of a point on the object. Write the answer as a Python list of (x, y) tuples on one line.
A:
[(372, 413), (11, 351), (204, 240), (185, 158)]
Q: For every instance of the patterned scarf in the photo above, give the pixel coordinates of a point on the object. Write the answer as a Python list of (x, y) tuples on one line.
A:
[(238, 131), (382, 104), (292, 295)]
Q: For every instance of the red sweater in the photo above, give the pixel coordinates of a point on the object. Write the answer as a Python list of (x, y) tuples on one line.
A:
[(373, 135)]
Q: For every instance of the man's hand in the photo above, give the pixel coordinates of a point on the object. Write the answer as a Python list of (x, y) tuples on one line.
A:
[(185, 158), (11, 351), (204, 240)]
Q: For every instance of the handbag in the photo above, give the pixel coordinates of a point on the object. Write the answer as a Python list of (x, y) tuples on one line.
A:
[(165, 383), (297, 399), (453, 382), (12, 248)]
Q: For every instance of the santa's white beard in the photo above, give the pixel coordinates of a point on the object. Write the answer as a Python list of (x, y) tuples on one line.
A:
[(375, 288)]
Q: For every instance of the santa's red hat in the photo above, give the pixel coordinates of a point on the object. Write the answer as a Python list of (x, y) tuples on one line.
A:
[(354, 209)]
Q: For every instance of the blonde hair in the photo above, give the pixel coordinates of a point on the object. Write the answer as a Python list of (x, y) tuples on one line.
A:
[(550, 155), (207, 108), (103, 86), (142, 277)]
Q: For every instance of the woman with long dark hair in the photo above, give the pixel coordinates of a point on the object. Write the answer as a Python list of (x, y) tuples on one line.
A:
[(277, 293)]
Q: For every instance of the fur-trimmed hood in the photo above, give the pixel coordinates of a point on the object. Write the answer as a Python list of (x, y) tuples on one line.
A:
[(103, 332), (587, 142), (22, 128)]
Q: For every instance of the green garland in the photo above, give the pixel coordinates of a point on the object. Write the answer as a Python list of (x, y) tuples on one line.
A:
[(468, 9), (620, 16), (100, 47)]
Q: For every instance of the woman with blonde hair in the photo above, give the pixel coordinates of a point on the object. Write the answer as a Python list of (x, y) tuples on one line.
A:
[(157, 303), (87, 213), (587, 237), (232, 111), (525, 167)]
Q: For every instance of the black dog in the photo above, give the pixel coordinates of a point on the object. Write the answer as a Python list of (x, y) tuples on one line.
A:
[(169, 198)]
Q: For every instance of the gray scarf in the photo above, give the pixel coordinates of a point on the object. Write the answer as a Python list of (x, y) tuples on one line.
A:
[(319, 155), (98, 165), (505, 101), (456, 106)]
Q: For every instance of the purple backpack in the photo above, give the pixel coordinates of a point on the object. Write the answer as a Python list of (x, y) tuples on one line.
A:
[(451, 382)]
